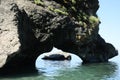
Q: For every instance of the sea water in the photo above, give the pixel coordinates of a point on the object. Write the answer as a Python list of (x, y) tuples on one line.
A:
[(72, 70)]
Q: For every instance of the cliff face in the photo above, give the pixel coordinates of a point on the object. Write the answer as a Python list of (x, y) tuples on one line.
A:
[(28, 28)]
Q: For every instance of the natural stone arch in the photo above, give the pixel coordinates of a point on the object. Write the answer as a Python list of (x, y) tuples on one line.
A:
[(41, 27)]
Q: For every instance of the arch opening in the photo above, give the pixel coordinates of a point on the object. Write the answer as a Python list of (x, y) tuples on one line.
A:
[(49, 66)]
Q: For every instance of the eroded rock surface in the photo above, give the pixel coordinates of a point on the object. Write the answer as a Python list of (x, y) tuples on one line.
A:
[(28, 30)]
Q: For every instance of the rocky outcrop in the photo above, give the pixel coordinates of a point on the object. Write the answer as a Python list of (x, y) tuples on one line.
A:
[(9, 40), (28, 29)]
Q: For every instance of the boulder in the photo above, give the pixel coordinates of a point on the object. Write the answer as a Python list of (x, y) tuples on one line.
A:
[(57, 55)]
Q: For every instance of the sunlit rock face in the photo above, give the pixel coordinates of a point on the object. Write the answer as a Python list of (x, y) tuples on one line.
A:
[(34, 27)]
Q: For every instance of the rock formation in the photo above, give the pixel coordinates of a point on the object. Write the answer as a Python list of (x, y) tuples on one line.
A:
[(56, 54), (29, 28)]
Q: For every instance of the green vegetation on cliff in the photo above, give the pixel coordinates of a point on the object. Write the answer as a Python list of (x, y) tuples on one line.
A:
[(38, 2)]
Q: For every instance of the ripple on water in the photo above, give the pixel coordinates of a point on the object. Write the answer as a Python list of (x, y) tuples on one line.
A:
[(52, 68), (74, 70)]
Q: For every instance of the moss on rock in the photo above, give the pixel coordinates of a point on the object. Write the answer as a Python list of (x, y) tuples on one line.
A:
[(93, 20), (38, 2)]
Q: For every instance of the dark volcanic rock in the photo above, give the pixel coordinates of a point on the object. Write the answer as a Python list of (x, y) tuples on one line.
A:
[(28, 30), (56, 57), (56, 54)]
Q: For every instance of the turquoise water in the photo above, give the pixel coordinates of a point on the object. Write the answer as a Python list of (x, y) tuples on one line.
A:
[(72, 70)]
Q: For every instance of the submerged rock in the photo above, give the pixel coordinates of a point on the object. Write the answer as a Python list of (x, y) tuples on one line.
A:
[(57, 55), (28, 29)]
